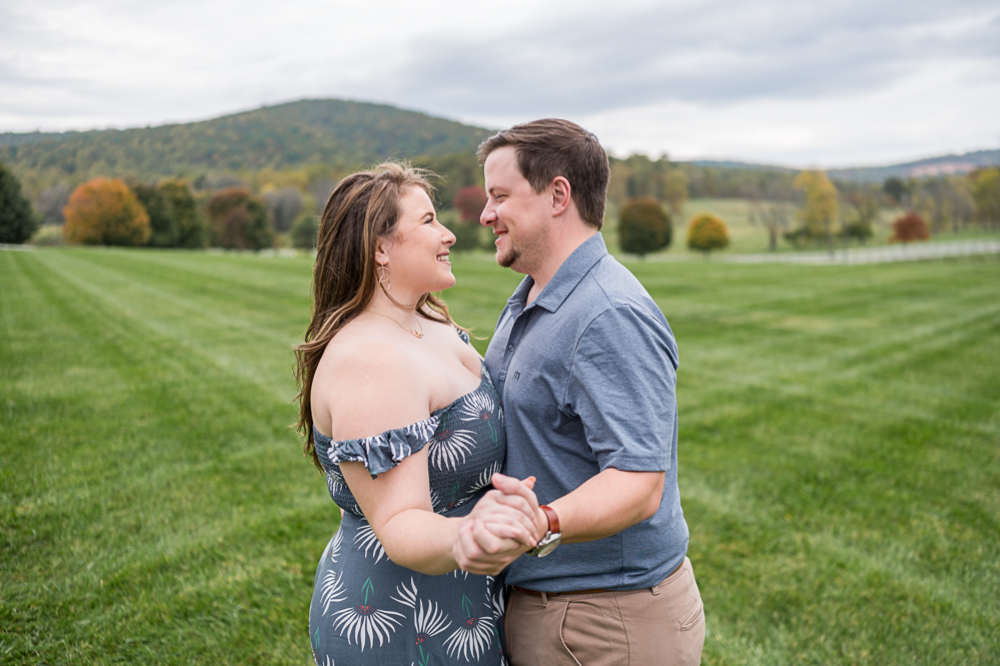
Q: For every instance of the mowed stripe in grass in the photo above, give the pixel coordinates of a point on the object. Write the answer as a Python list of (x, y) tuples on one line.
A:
[(839, 461), (155, 505), (838, 456)]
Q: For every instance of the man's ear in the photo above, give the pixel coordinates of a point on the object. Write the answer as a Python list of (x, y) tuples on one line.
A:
[(561, 195)]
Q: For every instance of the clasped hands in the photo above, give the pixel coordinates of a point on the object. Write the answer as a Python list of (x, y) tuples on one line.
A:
[(504, 524)]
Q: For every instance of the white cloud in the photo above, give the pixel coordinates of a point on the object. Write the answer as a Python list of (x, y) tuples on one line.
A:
[(914, 117), (833, 83)]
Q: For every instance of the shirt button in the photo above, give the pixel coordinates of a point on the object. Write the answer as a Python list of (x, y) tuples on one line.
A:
[(510, 347)]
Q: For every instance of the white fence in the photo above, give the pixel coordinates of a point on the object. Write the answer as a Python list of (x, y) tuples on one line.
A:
[(873, 255)]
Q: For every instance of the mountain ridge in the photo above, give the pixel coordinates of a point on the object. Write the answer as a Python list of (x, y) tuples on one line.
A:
[(344, 133), (337, 132), (952, 163)]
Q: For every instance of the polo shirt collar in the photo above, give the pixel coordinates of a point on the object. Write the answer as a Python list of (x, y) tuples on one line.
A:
[(566, 278)]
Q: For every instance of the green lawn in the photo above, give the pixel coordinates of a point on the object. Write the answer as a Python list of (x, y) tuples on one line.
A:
[(840, 467)]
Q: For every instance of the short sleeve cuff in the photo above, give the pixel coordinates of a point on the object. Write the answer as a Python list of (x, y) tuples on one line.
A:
[(628, 463), (382, 452)]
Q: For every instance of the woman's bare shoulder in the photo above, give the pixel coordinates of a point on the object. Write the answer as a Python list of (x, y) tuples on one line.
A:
[(366, 383)]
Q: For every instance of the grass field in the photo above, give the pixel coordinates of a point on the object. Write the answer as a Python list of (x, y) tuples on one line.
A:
[(748, 237), (839, 458)]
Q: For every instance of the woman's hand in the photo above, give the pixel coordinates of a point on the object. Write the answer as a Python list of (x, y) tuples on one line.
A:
[(510, 506), (504, 524)]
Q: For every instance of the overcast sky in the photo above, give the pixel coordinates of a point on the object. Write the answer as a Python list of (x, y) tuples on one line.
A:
[(857, 82)]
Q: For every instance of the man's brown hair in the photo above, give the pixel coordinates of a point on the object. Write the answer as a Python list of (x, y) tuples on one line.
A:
[(553, 147)]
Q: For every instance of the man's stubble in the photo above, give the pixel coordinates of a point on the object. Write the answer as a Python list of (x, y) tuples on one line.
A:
[(528, 256)]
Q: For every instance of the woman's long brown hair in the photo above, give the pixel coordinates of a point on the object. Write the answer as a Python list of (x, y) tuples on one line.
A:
[(362, 208)]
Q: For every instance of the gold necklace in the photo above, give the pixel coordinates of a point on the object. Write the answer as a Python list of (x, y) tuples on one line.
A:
[(412, 331)]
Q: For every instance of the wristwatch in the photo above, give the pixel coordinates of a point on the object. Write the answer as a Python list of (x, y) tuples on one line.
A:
[(552, 538)]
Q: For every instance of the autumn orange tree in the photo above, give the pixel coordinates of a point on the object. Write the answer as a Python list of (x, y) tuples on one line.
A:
[(105, 211), (239, 220), (706, 233), (908, 228)]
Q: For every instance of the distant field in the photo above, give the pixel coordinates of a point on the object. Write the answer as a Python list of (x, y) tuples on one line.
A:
[(747, 237), (838, 456)]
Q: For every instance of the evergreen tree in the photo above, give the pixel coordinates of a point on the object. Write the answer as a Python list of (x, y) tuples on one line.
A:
[(17, 220)]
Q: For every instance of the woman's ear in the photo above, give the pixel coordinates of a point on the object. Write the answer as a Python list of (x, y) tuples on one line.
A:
[(381, 251)]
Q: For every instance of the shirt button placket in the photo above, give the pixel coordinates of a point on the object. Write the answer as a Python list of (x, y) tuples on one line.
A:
[(515, 335)]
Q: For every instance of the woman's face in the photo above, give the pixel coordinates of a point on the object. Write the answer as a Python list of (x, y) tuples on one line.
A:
[(417, 254)]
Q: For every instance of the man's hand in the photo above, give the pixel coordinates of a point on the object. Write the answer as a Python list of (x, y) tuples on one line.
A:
[(504, 524)]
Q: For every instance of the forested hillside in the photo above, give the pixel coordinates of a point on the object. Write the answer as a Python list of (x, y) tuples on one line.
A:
[(341, 135), (332, 132), (287, 158)]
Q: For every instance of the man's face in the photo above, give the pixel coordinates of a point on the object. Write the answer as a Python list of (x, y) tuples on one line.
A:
[(516, 213)]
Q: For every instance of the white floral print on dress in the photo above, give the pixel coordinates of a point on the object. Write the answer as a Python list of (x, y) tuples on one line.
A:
[(364, 623)]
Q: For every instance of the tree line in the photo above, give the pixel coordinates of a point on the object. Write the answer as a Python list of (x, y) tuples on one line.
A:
[(256, 210), (803, 208), (170, 212), (252, 211)]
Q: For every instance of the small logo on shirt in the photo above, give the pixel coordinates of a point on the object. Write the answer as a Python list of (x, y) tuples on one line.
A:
[(517, 375)]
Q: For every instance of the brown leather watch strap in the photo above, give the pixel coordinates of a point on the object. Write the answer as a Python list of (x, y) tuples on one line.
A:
[(553, 517)]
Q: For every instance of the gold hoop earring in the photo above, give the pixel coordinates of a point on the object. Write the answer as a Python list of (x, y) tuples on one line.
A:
[(383, 277)]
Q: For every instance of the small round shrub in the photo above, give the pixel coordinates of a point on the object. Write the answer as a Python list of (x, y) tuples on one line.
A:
[(706, 233), (908, 228), (643, 227)]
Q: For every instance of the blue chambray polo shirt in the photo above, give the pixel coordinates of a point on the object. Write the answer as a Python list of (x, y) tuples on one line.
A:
[(587, 376)]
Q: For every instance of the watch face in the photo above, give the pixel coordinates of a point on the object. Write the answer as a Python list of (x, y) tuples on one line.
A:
[(546, 545), (548, 548)]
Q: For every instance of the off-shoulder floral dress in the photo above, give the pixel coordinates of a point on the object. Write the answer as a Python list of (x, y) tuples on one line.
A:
[(368, 610)]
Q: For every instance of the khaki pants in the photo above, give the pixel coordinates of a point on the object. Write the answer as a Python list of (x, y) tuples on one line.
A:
[(664, 624)]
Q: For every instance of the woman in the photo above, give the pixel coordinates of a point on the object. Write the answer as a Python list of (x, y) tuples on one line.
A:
[(399, 412)]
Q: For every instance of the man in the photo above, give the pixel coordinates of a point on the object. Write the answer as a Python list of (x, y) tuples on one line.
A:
[(585, 364)]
